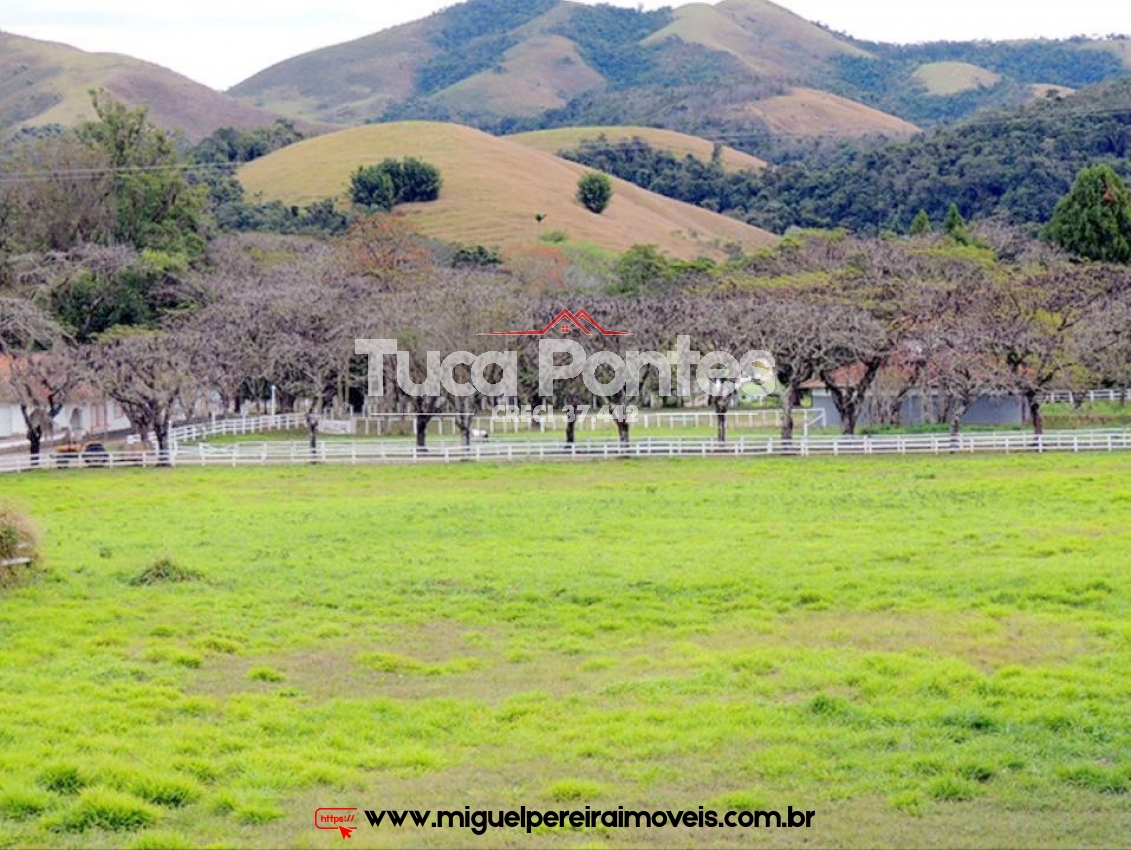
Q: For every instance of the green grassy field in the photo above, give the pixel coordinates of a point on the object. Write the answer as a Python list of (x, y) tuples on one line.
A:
[(926, 652)]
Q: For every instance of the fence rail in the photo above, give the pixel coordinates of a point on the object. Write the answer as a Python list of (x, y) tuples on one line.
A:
[(400, 451), (1091, 396), (244, 425)]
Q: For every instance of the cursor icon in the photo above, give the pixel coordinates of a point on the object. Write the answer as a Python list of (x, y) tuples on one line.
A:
[(346, 831)]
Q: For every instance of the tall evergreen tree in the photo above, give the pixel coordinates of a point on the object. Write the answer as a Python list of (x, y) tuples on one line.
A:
[(955, 225), (1094, 219)]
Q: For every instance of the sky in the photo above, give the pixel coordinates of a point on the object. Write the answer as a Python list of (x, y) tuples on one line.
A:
[(221, 42)]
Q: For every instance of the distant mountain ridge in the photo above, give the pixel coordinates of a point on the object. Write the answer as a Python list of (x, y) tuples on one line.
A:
[(42, 82), (708, 70)]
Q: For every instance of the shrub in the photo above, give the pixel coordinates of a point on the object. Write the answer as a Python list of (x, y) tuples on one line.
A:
[(18, 540), (165, 571), (373, 188), (594, 191), (393, 182), (477, 256)]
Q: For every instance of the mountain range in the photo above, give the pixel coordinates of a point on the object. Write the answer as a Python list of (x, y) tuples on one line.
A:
[(43, 83), (739, 69)]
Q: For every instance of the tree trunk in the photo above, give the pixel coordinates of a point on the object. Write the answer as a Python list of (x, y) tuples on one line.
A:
[(1036, 413), (722, 407), (787, 415), (161, 433), (847, 404), (957, 413), (571, 431), (35, 443), (422, 429), (622, 430)]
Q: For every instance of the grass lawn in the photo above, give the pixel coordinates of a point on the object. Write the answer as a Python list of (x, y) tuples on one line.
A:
[(926, 652)]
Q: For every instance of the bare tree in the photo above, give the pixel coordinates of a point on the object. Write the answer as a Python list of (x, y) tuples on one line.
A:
[(39, 367), (636, 324), (1035, 319), (1102, 341), (451, 313), (150, 374), (787, 323), (958, 339), (861, 326)]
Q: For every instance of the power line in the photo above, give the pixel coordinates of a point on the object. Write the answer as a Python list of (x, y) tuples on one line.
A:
[(45, 174), (736, 141)]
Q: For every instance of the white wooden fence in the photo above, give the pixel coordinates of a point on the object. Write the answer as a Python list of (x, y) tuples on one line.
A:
[(1091, 396), (243, 425), (402, 451)]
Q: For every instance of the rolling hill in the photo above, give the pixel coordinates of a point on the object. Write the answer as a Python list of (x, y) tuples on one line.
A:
[(492, 62), (42, 82), (944, 78), (735, 68), (811, 112), (680, 144), (765, 37), (493, 189)]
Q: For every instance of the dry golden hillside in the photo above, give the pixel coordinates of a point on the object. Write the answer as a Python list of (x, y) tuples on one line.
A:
[(543, 72), (807, 111), (493, 189), (42, 82), (680, 144), (766, 37), (943, 78)]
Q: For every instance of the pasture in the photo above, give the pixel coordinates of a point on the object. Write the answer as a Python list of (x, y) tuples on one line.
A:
[(925, 651), (493, 189)]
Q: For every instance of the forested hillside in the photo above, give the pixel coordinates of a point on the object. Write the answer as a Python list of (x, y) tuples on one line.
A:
[(737, 66), (1011, 165)]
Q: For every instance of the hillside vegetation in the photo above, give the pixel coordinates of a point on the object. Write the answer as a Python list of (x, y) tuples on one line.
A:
[(501, 65), (943, 78), (493, 189), (679, 144), (42, 82), (735, 67), (765, 37), (1015, 165)]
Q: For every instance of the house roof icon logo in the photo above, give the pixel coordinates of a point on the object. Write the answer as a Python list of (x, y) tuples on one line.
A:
[(566, 322)]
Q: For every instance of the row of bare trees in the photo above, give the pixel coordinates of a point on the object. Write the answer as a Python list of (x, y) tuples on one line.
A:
[(879, 321)]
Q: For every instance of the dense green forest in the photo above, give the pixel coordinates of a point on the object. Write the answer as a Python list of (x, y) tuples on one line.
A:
[(1013, 165), (887, 82)]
